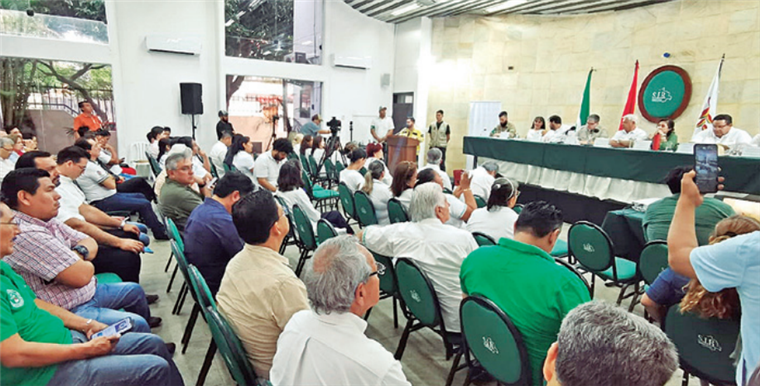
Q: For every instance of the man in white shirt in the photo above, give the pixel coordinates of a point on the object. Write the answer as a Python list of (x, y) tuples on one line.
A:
[(723, 133), (434, 158), (439, 249), (219, 151), (755, 141), (557, 131), (6, 149), (381, 126), (326, 345), (267, 166), (629, 134), (482, 178)]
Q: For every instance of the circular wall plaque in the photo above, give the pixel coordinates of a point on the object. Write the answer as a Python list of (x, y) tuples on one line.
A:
[(665, 93)]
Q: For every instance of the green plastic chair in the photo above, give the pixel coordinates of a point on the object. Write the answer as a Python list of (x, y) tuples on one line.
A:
[(179, 256), (480, 201), (321, 197), (703, 345), (365, 211), (307, 240), (230, 348), (203, 298), (388, 285), (653, 260), (154, 165), (363, 171), (576, 273), (332, 174), (177, 237), (421, 300), (483, 239), (108, 278), (291, 238), (213, 170), (347, 201), (518, 208), (590, 245), (560, 249), (339, 167), (325, 230), (396, 211), (305, 164), (494, 342)]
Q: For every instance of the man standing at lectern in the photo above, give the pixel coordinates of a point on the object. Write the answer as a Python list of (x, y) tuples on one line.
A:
[(412, 132)]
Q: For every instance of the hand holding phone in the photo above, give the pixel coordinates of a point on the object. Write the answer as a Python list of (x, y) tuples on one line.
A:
[(706, 167), (117, 328), (211, 183)]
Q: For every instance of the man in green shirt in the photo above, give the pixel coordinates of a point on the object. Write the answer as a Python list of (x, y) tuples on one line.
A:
[(524, 281), (177, 199), (43, 344)]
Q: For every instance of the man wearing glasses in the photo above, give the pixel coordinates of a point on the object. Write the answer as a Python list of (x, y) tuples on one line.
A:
[(178, 199)]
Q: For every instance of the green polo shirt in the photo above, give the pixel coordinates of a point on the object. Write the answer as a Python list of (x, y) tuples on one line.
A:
[(177, 201), (526, 283), (20, 315), (659, 215)]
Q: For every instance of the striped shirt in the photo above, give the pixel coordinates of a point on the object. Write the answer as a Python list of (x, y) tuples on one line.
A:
[(41, 252)]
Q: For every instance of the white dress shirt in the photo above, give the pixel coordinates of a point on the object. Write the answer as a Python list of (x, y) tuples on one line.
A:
[(216, 157), (439, 249), (555, 136), (481, 182), (534, 135), (755, 141), (6, 166), (243, 162), (300, 198), (352, 178), (198, 169), (380, 195), (498, 222), (406, 198), (388, 177), (457, 210), (71, 199), (634, 135), (267, 167), (733, 137), (444, 176), (332, 350)]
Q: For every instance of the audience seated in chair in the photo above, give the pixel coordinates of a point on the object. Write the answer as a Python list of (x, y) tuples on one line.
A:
[(305, 146), (129, 184), (734, 263), (267, 166), (290, 185), (110, 158), (259, 291), (434, 157), (155, 134), (6, 163), (600, 344), (521, 277), (211, 239), (460, 210), (497, 219), (43, 344), (482, 178), (178, 199), (326, 345), (240, 156), (55, 260), (436, 247), (351, 175), (379, 192), (375, 153), (404, 179), (219, 151)]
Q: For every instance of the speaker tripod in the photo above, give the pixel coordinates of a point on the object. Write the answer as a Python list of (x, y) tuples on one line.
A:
[(273, 137)]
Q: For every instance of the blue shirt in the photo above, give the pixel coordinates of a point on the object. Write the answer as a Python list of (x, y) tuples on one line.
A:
[(211, 241), (310, 128), (735, 263)]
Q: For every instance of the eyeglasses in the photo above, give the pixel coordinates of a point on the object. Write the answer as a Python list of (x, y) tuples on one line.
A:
[(380, 270)]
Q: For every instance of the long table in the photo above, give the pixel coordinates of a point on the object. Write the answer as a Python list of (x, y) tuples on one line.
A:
[(742, 173)]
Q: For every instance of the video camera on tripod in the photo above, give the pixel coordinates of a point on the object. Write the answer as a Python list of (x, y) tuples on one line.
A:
[(334, 125)]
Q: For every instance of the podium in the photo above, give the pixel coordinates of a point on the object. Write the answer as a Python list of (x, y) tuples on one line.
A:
[(401, 149)]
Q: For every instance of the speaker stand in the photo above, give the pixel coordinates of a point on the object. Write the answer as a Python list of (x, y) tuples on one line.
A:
[(192, 119)]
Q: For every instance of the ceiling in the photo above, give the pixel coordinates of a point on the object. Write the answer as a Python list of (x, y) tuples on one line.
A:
[(398, 11)]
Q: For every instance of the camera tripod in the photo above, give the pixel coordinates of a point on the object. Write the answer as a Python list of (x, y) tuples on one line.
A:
[(274, 134), (333, 144)]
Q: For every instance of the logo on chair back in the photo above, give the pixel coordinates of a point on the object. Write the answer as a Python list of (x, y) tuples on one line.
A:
[(588, 248), (709, 342), (415, 296), (490, 345)]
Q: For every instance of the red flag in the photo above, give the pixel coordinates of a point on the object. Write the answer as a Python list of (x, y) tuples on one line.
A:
[(630, 105)]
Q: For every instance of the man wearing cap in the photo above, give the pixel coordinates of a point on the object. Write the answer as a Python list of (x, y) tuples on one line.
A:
[(312, 128), (223, 125), (382, 125)]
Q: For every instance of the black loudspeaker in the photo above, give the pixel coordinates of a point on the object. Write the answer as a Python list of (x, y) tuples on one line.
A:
[(192, 102)]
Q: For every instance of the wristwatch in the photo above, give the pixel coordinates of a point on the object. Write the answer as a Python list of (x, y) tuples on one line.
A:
[(82, 250), (123, 222)]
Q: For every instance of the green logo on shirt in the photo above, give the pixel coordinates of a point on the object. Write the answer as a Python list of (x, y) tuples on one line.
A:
[(16, 300)]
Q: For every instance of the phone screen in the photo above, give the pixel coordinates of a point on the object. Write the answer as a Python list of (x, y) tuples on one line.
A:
[(119, 327), (706, 166), (212, 182)]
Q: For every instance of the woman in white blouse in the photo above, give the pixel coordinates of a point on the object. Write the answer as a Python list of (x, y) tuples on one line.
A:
[(375, 153), (351, 175), (379, 193), (404, 179), (317, 148), (290, 188), (537, 131), (240, 155), (498, 218)]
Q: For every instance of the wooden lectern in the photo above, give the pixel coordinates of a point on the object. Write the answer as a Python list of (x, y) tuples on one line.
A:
[(401, 149)]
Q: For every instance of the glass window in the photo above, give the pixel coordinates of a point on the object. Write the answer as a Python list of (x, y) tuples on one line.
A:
[(277, 30), (73, 20)]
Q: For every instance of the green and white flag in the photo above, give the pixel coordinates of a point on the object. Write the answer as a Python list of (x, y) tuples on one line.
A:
[(585, 103)]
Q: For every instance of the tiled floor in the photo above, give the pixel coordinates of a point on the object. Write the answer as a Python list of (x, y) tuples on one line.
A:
[(424, 360)]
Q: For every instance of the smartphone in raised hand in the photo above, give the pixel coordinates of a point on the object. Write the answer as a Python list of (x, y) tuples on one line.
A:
[(706, 167), (119, 327)]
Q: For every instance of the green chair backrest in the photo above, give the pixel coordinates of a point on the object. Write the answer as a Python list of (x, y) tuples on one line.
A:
[(179, 256), (174, 233), (518, 208), (483, 239), (227, 168), (339, 167), (154, 166), (364, 209), (418, 293), (346, 199), (325, 230), (480, 201), (591, 246), (307, 184), (305, 164), (292, 155), (703, 345), (202, 292), (213, 170), (363, 171), (288, 214), (653, 260), (494, 341), (575, 272), (314, 166), (108, 278), (230, 348), (447, 191), (388, 280), (396, 211), (304, 229), (330, 170)]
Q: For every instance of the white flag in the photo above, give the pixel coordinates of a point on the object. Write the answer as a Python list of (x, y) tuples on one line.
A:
[(710, 105)]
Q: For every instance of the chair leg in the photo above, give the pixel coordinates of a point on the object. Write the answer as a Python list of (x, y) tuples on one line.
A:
[(402, 342), (206, 363), (454, 369), (635, 298), (175, 310), (593, 285), (190, 326), (685, 381), (184, 297), (395, 312), (169, 263), (171, 281)]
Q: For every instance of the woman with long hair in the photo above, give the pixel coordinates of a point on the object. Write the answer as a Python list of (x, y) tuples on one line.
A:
[(666, 129), (375, 153), (404, 179), (351, 175), (306, 143), (537, 129), (290, 188), (164, 145), (240, 155), (377, 190), (317, 148), (498, 218)]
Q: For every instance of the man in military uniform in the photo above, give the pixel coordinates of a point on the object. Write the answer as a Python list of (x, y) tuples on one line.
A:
[(504, 126)]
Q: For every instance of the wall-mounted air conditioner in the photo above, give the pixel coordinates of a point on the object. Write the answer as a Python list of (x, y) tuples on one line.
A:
[(185, 45), (361, 62)]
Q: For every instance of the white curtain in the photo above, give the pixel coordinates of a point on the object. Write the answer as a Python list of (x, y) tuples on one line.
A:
[(484, 115)]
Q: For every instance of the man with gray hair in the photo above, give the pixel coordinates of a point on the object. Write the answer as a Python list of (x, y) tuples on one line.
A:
[(482, 178), (6, 164), (177, 199), (589, 132), (600, 344), (629, 134), (326, 345), (438, 248), (434, 159)]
